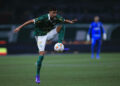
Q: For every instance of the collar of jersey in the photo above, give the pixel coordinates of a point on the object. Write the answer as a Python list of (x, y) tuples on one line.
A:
[(48, 16)]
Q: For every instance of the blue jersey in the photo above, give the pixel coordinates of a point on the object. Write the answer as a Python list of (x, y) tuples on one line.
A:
[(96, 29)]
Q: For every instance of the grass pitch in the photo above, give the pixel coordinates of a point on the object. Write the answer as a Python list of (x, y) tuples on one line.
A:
[(61, 70)]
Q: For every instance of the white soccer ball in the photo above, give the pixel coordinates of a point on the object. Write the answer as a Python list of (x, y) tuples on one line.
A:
[(59, 47)]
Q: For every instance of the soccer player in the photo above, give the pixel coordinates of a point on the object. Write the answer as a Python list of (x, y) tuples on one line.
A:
[(46, 28), (95, 32)]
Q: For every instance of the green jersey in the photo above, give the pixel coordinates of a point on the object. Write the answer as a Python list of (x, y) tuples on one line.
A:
[(44, 24)]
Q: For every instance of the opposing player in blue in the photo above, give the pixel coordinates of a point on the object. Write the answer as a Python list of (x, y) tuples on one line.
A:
[(95, 33)]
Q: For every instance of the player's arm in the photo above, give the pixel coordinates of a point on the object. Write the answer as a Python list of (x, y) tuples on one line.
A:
[(70, 21), (104, 33), (89, 32), (62, 20), (26, 23)]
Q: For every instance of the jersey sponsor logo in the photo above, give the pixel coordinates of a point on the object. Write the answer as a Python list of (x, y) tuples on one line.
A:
[(96, 35), (96, 28)]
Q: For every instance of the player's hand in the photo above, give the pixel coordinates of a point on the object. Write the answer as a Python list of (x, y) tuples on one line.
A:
[(17, 29), (74, 20), (71, 22)]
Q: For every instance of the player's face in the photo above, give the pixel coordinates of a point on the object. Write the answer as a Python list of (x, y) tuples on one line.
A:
[(53, 14), (96, 18)]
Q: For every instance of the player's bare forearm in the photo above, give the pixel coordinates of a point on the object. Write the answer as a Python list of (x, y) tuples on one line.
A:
[(70, 21), (21, 26), (26, 23)]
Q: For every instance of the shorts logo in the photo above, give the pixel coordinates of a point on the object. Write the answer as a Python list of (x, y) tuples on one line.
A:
[(40, 46), (40, 42)]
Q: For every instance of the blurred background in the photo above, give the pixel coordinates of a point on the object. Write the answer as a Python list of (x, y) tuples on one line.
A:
[(15, 12), (75, 68)]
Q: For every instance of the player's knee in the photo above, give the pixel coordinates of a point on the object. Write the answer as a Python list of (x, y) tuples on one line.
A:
[(59, 28), (42, 53)]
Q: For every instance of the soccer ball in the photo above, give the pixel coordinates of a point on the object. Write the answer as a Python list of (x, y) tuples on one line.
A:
[(59, 47)]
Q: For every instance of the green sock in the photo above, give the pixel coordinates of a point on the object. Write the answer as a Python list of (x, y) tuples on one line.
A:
[(61, 34), (39, 64)]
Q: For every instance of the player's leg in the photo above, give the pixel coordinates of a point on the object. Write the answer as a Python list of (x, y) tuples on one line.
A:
[(53, 32), (39, 65), (61, 34), (58, 28), (93, 47), (98, 49), (41, 41)]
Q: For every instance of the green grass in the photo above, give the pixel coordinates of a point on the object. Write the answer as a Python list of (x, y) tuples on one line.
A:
[(61, 70)]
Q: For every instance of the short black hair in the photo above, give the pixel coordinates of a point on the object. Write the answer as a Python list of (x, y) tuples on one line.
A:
[(52, 9)]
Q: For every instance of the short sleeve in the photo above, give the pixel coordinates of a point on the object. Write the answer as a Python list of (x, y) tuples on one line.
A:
[(39, 19), (60, 19)]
